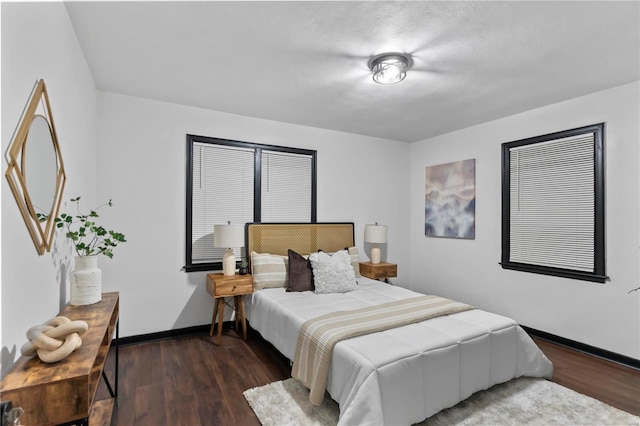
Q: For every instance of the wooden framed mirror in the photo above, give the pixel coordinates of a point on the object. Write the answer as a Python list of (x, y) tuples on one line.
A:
[(36, 171)]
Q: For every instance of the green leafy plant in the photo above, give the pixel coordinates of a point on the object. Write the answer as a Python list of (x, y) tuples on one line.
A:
[(89, 238), (244, 267)]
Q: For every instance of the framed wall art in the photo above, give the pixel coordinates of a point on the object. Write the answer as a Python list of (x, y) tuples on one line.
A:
[(450, 200)]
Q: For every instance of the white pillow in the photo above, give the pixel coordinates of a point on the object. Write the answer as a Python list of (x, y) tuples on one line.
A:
[(333, 274), (355, 260), (269, 270)]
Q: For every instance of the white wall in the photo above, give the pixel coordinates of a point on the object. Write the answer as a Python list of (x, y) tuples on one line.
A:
[(141, 166), (38, 42), (601, 315)]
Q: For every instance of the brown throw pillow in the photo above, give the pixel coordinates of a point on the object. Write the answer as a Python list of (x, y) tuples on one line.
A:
[(300, 273)]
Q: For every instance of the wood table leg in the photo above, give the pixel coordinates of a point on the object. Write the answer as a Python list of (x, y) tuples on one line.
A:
[(213, 318), (237, 316), (220, 318), (242, 317)]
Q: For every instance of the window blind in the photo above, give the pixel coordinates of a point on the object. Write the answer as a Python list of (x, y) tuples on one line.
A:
[(552, 203), (222, 191), (286, 187), (242, 182)]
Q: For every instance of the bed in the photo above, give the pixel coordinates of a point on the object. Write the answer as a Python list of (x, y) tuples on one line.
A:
[(399, 376)]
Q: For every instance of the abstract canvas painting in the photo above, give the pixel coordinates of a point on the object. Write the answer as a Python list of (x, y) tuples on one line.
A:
[(450, 200)]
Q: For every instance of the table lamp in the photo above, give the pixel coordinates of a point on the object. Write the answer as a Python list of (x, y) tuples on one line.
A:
[(375, 234), (228, 236)]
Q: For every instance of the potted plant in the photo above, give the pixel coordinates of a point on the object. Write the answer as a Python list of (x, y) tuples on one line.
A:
[(244, 267), (89, 239)]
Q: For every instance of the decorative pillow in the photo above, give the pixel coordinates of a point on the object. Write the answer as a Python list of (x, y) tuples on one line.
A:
[(355, 260), (300, 273), (268, 270), (333, 274)]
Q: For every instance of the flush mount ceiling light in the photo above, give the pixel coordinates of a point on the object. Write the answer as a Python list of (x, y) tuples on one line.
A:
[(389, 68)]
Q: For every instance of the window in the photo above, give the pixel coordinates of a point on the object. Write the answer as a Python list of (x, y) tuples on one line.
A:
[(553, 204), (242, 182)]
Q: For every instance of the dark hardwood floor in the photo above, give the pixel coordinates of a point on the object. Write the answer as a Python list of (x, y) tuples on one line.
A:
[(609, 382), (191, 381)]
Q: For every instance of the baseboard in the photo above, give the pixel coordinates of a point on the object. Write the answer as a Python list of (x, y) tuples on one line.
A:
[(163, 335), (582, 347)]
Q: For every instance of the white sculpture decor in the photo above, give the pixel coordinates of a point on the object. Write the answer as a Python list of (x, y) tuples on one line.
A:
[(54, 340)]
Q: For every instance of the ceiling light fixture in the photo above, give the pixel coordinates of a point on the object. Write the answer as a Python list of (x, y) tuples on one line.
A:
[(389, 68)]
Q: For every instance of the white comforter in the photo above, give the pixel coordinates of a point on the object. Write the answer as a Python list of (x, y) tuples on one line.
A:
[(404, 375)]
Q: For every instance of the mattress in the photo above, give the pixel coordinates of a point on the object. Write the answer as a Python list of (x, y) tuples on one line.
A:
[(407, 374)]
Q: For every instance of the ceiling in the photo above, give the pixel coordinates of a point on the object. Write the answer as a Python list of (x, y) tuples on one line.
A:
[(306, 62)]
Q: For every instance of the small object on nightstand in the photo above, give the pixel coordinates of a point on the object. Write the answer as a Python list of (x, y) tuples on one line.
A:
[(220, 286), (379, 271), (228, 236), (375, 234), (243, 269)]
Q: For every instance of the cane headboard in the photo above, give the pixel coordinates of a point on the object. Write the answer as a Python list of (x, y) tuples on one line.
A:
[(304, 238)]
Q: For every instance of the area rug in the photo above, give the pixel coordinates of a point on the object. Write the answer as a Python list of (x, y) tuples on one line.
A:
[(523, 401)]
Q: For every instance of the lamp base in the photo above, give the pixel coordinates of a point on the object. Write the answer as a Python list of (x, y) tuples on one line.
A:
[(229, 263), (375, 255)]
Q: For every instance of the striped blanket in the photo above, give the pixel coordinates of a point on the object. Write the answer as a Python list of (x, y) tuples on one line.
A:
[(319, 335)]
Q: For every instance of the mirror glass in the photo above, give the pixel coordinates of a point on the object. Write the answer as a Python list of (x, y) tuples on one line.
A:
[(39, 167)]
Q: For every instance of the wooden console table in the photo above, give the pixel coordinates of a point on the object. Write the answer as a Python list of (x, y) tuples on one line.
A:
[(64, 392)]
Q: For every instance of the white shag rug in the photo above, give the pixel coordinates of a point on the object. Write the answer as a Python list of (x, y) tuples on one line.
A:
[(523, 401)]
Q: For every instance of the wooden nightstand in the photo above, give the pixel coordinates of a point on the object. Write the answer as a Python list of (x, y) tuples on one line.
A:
[(221, 286), (379, 271)]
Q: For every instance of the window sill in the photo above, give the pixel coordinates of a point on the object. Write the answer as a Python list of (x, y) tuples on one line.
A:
[(556, 272), (216, 266)]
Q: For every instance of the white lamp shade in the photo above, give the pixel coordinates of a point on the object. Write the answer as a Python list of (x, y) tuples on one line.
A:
[(227, 236), (376, 234)]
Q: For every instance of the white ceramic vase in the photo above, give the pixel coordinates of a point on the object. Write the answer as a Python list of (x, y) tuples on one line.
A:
[(86, 281)]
